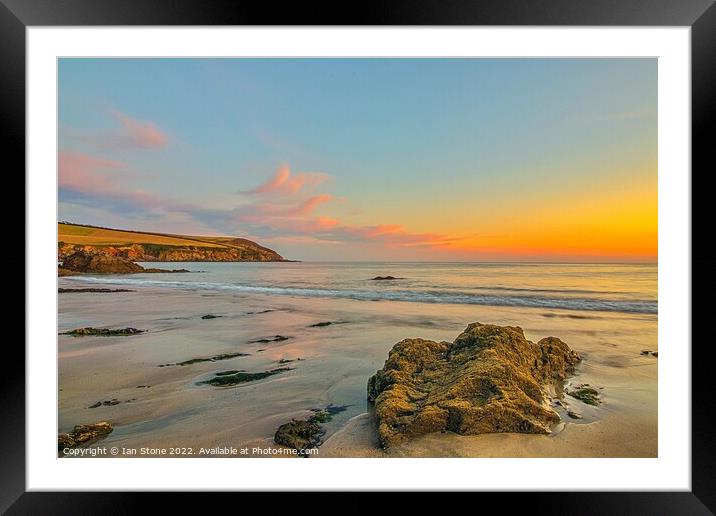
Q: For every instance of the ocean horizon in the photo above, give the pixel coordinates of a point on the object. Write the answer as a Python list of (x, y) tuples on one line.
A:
[(611, 287)]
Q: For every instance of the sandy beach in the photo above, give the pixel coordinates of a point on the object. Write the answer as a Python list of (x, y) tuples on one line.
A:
[(161, 407)]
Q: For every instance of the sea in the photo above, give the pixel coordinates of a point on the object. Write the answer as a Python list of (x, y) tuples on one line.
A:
[(628, 288)]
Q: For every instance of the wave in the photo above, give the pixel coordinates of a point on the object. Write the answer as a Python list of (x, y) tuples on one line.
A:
[(416, 296)]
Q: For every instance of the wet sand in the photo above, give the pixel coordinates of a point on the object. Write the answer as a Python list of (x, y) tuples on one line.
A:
[(171, 410)]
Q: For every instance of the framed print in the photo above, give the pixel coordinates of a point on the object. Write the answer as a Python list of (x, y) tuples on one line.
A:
[(444, 247)]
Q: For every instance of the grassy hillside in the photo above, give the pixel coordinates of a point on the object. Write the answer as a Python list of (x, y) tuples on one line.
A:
[(162, 246)]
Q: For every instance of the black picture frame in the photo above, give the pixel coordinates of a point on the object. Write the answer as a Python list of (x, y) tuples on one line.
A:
[(700, 15)]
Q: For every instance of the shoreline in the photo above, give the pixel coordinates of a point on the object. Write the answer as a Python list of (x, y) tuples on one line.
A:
[(337, 361)]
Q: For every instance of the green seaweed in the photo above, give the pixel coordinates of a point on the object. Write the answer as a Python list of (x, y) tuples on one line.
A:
[(223, 356), (586, 394), (229, 380)]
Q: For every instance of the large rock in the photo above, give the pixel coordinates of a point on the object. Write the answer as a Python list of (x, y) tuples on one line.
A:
[(81, 261), (490, 379), (82, 434), (102, 263)]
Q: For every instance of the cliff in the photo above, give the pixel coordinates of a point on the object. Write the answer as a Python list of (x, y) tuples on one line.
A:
[(490, 379), (158, 247)]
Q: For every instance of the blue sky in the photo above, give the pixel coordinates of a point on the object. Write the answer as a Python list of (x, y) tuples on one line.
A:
[(443, 148)]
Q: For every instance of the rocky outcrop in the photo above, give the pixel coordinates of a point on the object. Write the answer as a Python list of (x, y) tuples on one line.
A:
[(241, 251), (82, 434), (299, 434), (302, 434), (490, 379), (82, 261), (98, 263)]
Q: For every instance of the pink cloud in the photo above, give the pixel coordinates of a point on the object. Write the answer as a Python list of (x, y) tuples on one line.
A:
[(284, 182), (133, 134), (95, 181), (85, 173), (307, 206)]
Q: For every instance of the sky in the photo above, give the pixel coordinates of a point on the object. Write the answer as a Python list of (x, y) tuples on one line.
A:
[(369, 159)]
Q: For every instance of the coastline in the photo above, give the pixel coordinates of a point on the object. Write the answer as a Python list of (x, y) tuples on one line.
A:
[(336, 363)]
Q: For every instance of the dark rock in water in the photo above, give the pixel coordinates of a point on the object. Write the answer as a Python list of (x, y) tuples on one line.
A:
[(299, 435), (285, 361), (210, 316), (166, 270), (383, 278), (647, 352), (102, 332), (229, 380), (655, 354), (320, 324), (305, 434), (574, 415), (490, 379), (215, 358), (106, 403), (94, 290), (82, 434), (325, 415), (586, 394), (276, 338)]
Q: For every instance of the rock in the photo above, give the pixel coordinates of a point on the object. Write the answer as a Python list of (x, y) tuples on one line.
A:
[(490, 379), (586, 394), (654, 353), (106, 403), (94, 290), (574, 415), (320, 324), (383, 278), (645, 352), (215, 358), (99, 262), (82, 434), (102, 332), (166, 270), (81, 261), (324, 415), (305, 434), (210, 316), (299, 435), (235, 378), (275, 338)]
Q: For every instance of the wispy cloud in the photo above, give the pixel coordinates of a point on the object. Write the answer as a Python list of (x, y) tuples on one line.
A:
[(82, 172), (283, 182), (135, 134), (90, 181)]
